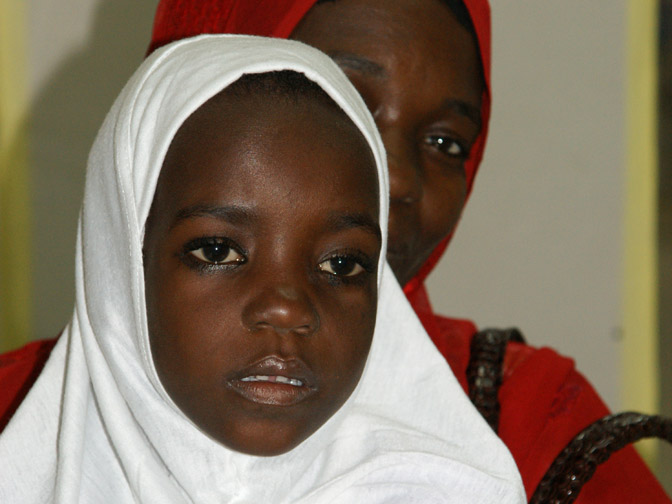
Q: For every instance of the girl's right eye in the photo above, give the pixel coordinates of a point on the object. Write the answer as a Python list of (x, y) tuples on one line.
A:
[(214, 251), (341, 266)]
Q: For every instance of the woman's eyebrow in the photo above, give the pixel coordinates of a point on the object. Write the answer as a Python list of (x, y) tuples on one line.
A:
[(358, 63), (234, 214), (465, 109), (342, 221), (366, 66)]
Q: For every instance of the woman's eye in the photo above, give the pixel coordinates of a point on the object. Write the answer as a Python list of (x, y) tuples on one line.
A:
[(341, 266), (446, 145), (217, 253)]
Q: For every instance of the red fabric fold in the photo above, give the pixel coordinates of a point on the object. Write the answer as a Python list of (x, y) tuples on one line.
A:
[(18, 371)]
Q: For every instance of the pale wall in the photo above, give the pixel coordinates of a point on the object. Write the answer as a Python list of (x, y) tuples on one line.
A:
[(81, 54), (540, 244)]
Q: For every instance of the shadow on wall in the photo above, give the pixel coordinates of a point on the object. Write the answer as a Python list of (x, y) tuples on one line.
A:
[(665, 233), (65, 118)]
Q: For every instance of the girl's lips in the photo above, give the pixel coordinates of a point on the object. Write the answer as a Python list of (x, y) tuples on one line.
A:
[(274, 381)]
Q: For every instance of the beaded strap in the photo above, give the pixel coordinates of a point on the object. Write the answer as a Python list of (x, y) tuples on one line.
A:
[(594, 445), (577, 463), (484, 373)]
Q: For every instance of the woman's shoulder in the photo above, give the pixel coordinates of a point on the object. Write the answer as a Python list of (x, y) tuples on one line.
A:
[(545, 402), (18, 371)]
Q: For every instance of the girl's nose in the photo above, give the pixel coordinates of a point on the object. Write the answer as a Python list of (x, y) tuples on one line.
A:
[(405, 170), (284, 309)]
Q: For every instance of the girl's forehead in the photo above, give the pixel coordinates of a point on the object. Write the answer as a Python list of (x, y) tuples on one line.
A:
[(256, 146)]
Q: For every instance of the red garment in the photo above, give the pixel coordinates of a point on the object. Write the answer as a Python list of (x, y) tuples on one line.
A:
[(18, 371), (545, 402)]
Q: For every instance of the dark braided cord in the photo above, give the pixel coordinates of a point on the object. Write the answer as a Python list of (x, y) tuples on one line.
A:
[(576, 464), (484, 373)]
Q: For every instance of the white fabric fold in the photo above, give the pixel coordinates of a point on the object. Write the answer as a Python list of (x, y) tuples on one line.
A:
[(98, 427)]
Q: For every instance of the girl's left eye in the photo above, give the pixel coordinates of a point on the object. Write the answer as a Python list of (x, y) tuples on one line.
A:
[(341, 266), (217, 253), (446, 145)]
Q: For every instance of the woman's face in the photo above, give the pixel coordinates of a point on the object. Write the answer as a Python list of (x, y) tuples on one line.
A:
[(419, 72), (261, 252)]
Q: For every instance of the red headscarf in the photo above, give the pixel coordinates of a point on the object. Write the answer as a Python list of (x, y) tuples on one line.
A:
[(178, 19)]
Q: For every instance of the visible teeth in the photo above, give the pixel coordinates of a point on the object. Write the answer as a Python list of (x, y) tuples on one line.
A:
[(274, 379), (289, 381), (256, 378)]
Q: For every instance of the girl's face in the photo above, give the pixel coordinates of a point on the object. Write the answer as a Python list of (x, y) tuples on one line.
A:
[(419, 72), (261, 252)]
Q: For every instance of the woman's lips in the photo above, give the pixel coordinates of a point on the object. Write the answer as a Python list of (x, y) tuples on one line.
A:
[(398, 249), (275, 381), (397, 259)]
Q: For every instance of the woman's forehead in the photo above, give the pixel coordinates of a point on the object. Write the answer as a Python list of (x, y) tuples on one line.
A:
[(398, 45)]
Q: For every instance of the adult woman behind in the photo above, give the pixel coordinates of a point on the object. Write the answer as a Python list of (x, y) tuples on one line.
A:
[(423, 69)]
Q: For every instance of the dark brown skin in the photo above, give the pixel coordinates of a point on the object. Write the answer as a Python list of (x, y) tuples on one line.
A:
[(419, 73), (260, 260)]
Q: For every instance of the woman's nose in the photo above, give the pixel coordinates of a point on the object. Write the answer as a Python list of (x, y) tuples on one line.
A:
[(284, 309), (404, 168)]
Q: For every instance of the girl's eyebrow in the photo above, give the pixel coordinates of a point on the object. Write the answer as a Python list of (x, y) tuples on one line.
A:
[(238, 214), (343, 221), (231, 213)]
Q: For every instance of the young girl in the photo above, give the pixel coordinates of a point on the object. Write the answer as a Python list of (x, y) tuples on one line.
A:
[(222, 346)]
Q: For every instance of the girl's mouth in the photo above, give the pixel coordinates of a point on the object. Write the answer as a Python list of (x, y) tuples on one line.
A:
[(274, 381)]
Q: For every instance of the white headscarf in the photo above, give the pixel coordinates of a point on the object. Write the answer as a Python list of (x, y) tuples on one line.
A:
[(98, 427)]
